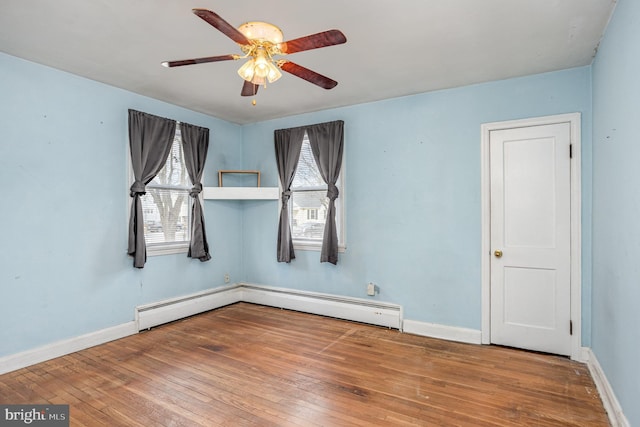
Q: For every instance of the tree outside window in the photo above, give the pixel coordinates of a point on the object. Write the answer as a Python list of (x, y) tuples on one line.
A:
[(167, 202)]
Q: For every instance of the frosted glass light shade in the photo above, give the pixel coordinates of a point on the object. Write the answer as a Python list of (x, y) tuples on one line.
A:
[(274, 73), (261, 67), (247, 71)]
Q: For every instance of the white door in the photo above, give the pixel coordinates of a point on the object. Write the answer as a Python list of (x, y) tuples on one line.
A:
[(531, 237)]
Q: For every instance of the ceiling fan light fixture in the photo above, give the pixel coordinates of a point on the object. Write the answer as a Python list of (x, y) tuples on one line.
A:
[(260, 68)]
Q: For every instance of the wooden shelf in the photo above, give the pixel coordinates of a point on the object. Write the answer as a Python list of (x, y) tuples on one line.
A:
[(241, 193), (222, 172)]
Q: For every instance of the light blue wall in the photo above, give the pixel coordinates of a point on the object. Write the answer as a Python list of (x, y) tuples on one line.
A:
[(413, 202), (64, 270), (616, 206), (413, 195)]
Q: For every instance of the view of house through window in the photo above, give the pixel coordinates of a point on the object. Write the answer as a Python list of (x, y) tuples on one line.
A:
[(309, 203), (166, 205)]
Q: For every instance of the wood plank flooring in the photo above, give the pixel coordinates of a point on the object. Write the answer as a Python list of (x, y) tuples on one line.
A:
[(249, 365)]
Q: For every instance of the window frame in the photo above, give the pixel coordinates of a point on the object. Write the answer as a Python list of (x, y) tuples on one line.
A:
[(171, 248), (340, 205)]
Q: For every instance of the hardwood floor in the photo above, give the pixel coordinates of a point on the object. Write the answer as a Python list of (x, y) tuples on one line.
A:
[(252, 365)]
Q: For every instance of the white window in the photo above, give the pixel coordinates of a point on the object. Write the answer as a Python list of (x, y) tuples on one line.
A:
[(167, 205), (309, 203)]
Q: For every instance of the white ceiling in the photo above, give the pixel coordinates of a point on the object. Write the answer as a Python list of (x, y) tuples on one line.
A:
[(394, 48)]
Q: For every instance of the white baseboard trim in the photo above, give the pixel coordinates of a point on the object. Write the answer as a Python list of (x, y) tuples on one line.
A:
[(450, 333), (609, 400), (347, 308), (64, 347), (583, 355)]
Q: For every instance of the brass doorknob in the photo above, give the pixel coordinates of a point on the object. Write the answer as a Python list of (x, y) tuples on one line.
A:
[(498, 253)]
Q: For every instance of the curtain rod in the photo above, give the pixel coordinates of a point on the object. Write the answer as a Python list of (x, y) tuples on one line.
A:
[(315, 124)]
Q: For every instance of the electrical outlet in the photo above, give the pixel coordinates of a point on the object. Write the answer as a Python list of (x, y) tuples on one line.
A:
[(227, 279), (371, 289)]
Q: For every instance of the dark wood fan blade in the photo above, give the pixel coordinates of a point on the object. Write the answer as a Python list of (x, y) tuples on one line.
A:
[(223, 26), (198, 60), (249, 89), (308, 75), (314, 41)]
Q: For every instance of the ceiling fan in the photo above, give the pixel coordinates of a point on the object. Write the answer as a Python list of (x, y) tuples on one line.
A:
[(261, 42)]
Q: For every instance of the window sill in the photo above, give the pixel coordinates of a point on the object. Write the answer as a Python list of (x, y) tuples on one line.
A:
[(182, 248), (313, 246)]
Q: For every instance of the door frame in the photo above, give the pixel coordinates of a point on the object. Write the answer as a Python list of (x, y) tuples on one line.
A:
[(574, 119)]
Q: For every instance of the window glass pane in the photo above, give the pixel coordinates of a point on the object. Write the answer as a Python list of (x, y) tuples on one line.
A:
[(166, 206), (166, 216), (309, 203), (308, 213), (307, 174)]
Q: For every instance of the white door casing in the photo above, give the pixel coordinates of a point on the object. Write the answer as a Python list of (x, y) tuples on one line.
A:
[(532, 292)]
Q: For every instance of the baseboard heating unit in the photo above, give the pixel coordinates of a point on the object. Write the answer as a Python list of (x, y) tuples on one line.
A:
[(355, 309), (158, 313)]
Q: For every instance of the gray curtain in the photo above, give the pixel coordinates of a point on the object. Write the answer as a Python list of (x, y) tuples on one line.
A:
[(326, 141), (195, 143), (288, 143), (150, 140)]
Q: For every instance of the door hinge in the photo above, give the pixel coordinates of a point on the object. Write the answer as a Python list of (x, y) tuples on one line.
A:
[(570, 327), (571, 151)]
